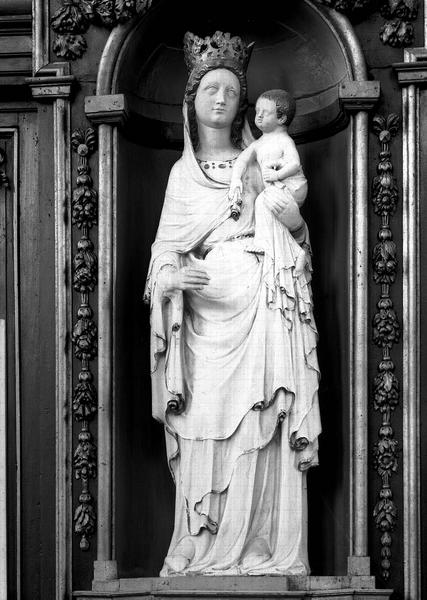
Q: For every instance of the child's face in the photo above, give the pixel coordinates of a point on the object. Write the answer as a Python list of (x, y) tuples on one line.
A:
[(266, 115)]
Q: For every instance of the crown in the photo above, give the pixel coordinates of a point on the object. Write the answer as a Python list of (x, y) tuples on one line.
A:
[(220, 49)]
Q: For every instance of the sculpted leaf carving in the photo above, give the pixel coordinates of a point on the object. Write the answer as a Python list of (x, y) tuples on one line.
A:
[(85, 519), (85, 198), (71, 18), (385, 452), (85, 334), (348, 6), (386, 333), (386, 324), (69, 46), (386, 127), (385, 262), (401, 9), (85, 201), (85, 267), (85, 397), (384, 188), (85, 456), (386, 388), (385, 514), (397, 31), (75, 17)]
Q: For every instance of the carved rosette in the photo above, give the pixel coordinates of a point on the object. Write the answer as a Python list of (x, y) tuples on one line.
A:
[(386, 333), (75, 17), (84, 336), (397, 31)]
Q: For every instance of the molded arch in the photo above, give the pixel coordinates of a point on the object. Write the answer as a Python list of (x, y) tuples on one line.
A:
[(311, 51)]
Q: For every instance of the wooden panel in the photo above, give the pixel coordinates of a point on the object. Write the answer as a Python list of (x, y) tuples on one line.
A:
[(9, 309), (15, 45), (15, 65), (15, 39), (15, 7), (37, 255)]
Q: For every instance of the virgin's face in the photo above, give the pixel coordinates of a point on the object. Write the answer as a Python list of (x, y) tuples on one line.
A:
[(217, 99)]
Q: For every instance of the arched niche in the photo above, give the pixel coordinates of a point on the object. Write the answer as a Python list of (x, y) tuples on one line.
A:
[(141, 80)]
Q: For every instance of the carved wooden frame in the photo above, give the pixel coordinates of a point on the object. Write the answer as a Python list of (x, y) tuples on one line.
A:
[(108, 110)]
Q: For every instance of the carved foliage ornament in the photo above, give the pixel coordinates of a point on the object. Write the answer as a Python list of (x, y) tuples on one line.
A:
[(397, 31), (84, 216), (75, 17), (347, 6), (386, 333)]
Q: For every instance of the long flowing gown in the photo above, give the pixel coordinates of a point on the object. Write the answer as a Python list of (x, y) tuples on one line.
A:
[(234, 380)]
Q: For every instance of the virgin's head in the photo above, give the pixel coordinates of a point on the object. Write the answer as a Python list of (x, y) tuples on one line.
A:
[(216, 97)]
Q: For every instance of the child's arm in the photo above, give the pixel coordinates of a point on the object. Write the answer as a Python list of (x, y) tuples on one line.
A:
[(292, 166), (288, 171), (239, 168)]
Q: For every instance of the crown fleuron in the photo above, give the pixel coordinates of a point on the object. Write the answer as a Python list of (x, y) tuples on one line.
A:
[(219, 49)]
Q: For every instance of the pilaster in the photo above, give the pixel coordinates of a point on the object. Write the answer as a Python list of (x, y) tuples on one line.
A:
[(412, 76), (53, 83), (357, 98)]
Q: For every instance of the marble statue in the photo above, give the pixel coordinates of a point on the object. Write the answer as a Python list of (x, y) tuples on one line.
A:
[(233, 341)]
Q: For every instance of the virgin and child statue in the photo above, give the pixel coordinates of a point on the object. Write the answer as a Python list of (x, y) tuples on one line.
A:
[(233, 338)]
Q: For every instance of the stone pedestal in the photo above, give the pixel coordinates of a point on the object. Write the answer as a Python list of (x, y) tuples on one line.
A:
[(346, 587)]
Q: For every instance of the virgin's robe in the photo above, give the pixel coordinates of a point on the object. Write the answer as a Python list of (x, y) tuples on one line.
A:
[(234, 380)]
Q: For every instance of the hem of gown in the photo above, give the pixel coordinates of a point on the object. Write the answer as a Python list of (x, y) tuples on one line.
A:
[(304, 465), (236, 571)]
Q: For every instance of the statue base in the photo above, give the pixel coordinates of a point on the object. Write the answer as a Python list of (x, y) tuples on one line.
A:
[(344, 587)]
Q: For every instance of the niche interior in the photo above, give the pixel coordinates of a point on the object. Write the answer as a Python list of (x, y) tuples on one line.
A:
[(296, 48)]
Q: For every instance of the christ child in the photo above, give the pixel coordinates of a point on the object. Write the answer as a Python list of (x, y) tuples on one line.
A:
[(276, 153)]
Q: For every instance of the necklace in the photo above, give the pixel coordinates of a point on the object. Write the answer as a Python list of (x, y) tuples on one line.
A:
[(216, 164)]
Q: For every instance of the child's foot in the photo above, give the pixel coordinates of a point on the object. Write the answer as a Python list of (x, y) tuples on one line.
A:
[(300, 263)]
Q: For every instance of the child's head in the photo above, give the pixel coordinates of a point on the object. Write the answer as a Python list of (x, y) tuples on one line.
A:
[(284, 106)]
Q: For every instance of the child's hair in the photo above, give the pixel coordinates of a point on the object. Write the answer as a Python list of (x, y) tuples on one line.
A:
[(285, 104)]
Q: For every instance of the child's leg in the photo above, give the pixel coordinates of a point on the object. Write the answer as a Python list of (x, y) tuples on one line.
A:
[(263, 226), (300, 262)]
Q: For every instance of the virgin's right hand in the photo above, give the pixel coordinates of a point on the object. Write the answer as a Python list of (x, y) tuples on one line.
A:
[(235, 191), (186, 278)]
